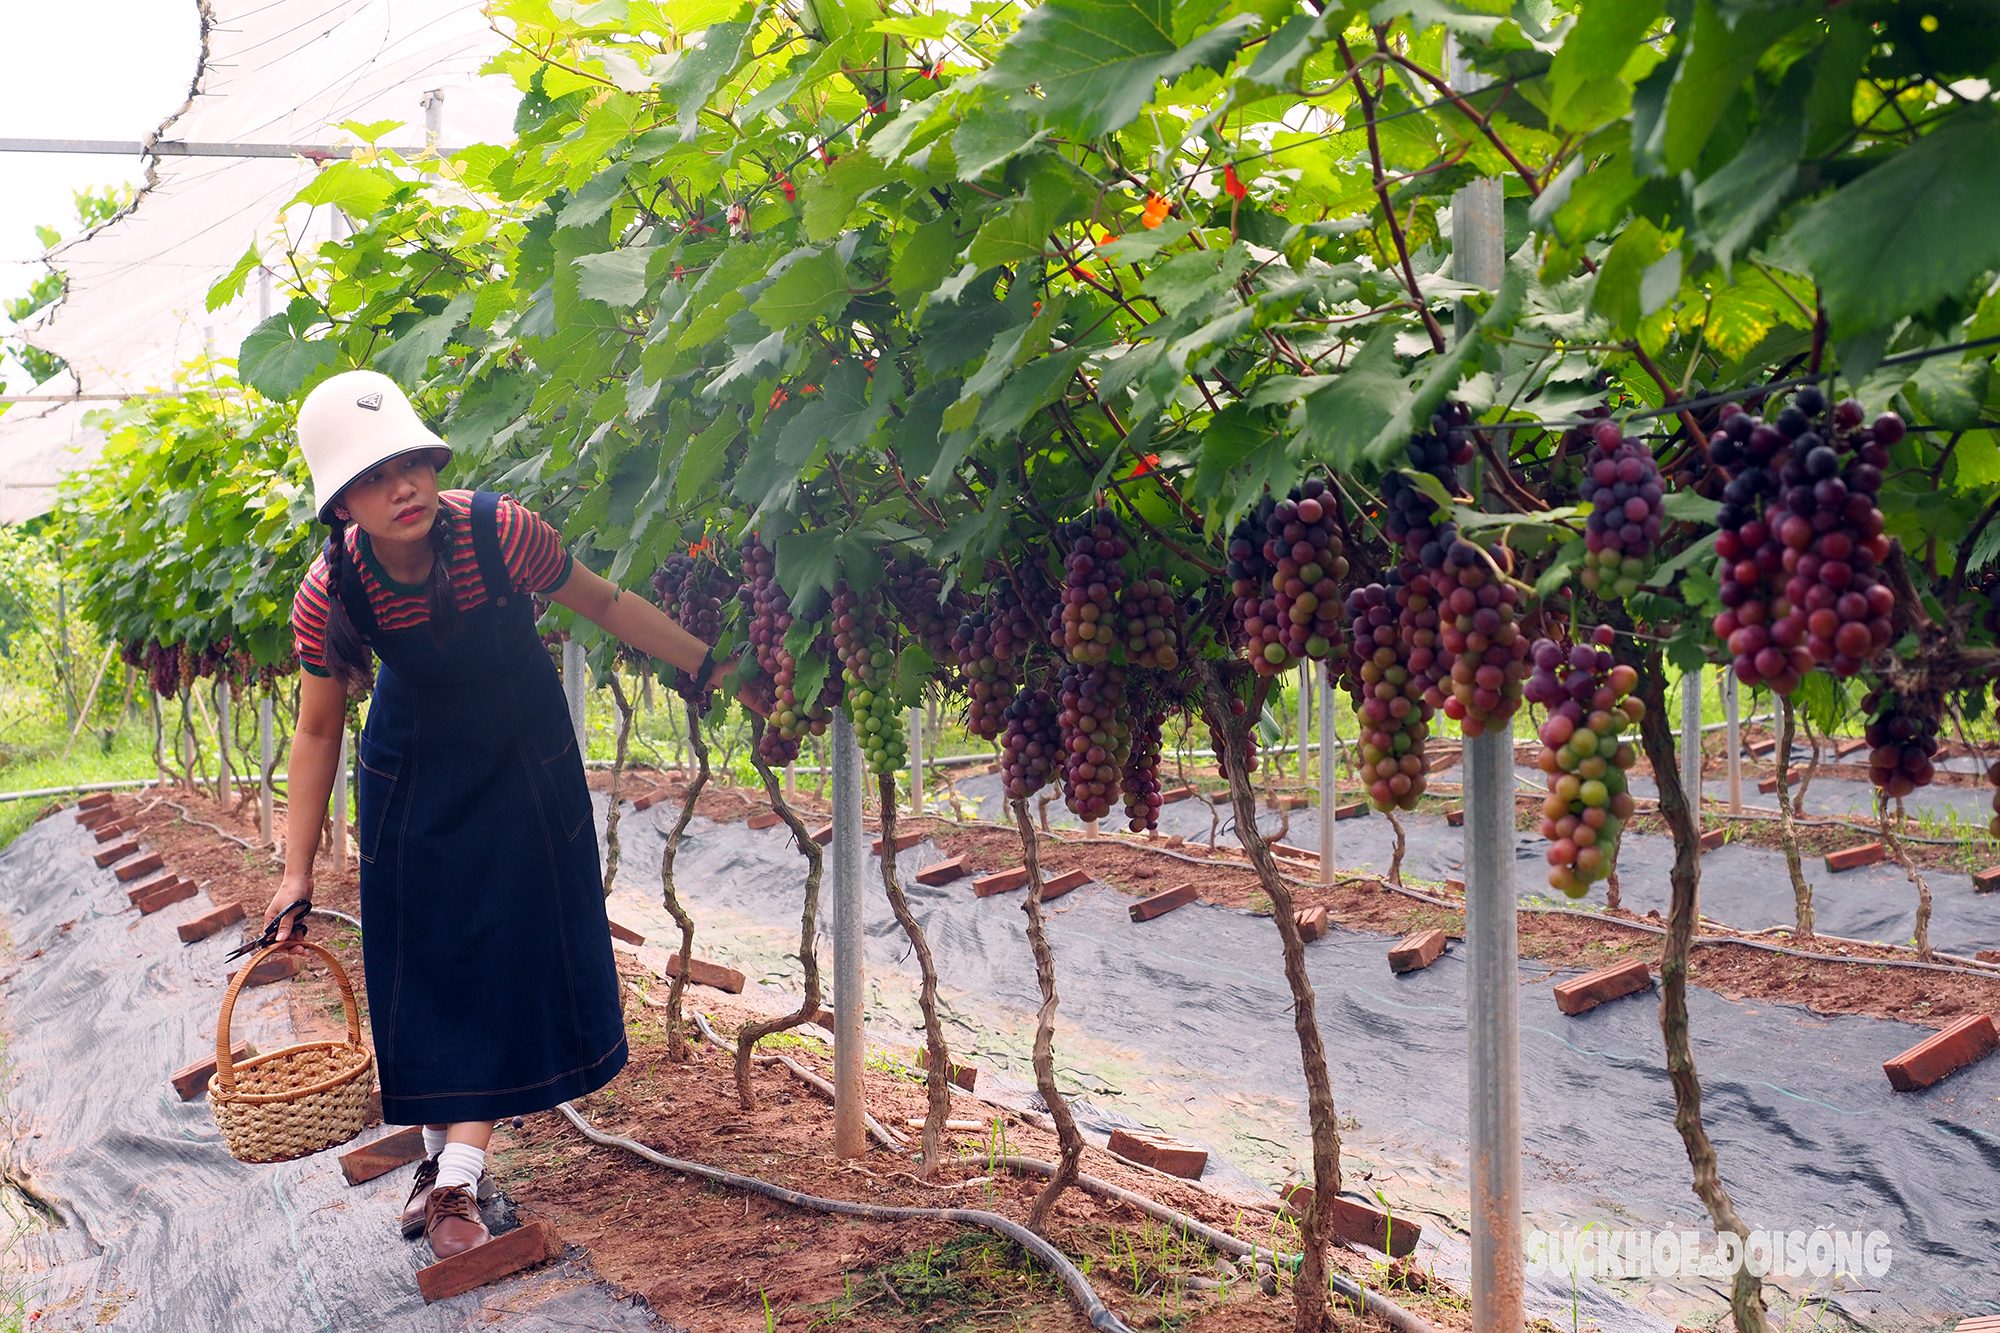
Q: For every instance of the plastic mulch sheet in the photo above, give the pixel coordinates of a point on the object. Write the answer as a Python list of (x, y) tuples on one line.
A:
[(1183, 1023), (162, 1230)]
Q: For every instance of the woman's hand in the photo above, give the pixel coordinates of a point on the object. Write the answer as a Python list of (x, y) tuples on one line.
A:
[(290, 890)]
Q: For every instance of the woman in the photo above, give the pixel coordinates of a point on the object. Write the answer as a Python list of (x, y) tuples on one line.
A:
[(491, 987)]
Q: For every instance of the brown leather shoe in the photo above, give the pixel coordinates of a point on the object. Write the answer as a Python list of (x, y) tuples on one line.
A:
[(420, 1195), (451, 1221)]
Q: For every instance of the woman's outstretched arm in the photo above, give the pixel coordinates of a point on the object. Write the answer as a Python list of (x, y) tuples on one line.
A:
[(309, 784), (630, 618)]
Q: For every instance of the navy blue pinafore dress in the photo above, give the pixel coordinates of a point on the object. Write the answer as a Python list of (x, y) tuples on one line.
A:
[(491, 986)]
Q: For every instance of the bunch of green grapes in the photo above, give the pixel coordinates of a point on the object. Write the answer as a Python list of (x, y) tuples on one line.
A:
[(862, 637)]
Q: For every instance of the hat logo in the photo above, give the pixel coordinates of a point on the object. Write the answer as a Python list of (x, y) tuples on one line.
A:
[(373, 402)]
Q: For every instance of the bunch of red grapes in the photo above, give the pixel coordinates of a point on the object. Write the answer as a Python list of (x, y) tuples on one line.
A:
[(1150, 622), (1031, 744), (1588, 698), (1905, 744), (1389, 629), (667, 581), (1096, 736), (770, 618), (917, 590), (1248, 573), (1141, 776), (991, 644), (1801, 538), (1627, 510), (1088, 622), (1299, 611)]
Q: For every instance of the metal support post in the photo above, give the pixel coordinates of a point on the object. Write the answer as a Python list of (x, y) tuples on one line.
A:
[(850, 1137), (1493, 1019), (575, 679), (225, 783), (266, 813), (1691, 742), (1730, 708), (916, 761), (433, 104), (340, 806), (1329, 779)]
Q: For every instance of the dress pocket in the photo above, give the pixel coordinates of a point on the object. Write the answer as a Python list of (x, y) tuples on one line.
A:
[(375, 787), (564, 771)]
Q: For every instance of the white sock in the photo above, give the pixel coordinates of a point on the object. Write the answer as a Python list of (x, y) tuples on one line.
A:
[(460, 1164), (433, 1141)]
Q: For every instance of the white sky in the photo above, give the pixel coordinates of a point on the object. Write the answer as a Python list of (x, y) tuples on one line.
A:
[(85, 69)]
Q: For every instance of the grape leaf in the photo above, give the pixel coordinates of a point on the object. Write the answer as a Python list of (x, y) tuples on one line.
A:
[(1719, 58), (813, 284), (276, 362), (1950, 393), (1597, 47), (350, 187), (615, 277), (1911, 231), (1097, 61), (691, 79), (1738, 198), (407, 359)]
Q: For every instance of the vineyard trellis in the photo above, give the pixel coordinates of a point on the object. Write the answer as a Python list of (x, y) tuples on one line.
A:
[(1099, 361)]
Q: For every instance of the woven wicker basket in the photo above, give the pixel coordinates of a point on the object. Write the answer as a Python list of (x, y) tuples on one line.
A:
[(295, 1101)]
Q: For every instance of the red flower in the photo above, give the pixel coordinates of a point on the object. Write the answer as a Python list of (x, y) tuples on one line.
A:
[(1237, 190), (696, 548), (1143, 466), (778, 397), (791, 190), (931, 71)]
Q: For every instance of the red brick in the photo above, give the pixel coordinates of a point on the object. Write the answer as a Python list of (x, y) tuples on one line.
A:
[(1850, 858), (1968, 1041), (1160, 1152), (132, 870), (97, 818), (94, 800), (384, 1155), (1842, 749), (1063, 883), (118, 853), (963, 1076), (1312, 923), (166, 897), (105, 832), (1162, 903), (1000, 881), (904, 841), (1418, 951), (1988, 956), (1295, 853), (1173, 794), (191, 1081), (705, 973), (823, 835), (1982, 1324), (1290, 803), (942, 872), (150, 887), (627, 934), (209, 922), (1987, 880), (278, 967), (1713, 839), (1455, 816), (1360, 1223), (1763, 747), (1352, 810), (1454, 885), (534, 1241), (1770, 784), (991, 768), (1586, 992), (649, 800), (764, 819)]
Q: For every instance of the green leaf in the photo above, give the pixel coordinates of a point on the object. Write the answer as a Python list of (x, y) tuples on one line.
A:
[(701, 462), (1597, 47), (990, 135), (276, 362), (924, 260), (1616, 294), (832, 195), (1910, 232), (1140, 243), (1281, 59), (407, 360), (1950, 393), (1689, 507), (807, 563), (1097, 61), (1829, 107), (1734, 202), (689, 81), (615, 277), (355, 190), (1717, 62), (815, 283), (1442, 373), (1027, 391), (1189, 278), (231, 284), (1018, 235), (1336, 424), (594, 200)]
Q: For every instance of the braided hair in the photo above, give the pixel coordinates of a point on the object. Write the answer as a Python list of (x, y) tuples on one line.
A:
[(347, 657)]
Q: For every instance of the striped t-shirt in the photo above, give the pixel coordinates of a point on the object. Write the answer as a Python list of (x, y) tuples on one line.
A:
[(534, 554)]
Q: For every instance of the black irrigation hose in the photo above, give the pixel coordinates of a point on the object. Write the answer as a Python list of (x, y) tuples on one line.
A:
[(1079, 1286), (1221, 1241)]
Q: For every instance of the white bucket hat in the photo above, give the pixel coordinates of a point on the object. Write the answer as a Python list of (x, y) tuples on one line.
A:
[(353, 422)]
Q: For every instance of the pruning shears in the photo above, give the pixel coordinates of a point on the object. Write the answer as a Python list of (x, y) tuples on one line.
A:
[(271, 932)]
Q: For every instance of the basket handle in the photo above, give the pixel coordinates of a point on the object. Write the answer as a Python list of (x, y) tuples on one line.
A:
[(225, 1068)]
